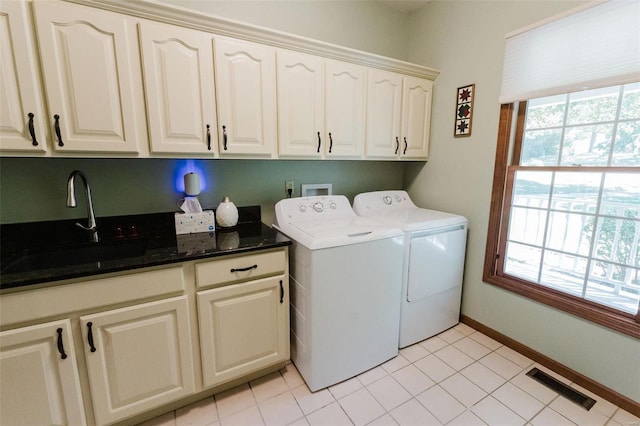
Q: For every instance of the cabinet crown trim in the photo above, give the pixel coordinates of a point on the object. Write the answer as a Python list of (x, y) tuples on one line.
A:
[(188, 18)]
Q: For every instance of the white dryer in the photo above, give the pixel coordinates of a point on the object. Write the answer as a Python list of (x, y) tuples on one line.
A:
[(435, 245), (345, 288)]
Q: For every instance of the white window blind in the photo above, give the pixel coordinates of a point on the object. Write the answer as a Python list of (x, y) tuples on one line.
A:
[(594, 47)]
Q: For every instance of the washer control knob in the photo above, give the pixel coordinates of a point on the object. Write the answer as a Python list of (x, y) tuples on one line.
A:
[(332, 205), (398, 199), (318, 207), (387, 200), (302, 208)]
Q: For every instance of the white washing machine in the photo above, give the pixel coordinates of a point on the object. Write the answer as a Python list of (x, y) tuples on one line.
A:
[(345, 288), (435, 245)]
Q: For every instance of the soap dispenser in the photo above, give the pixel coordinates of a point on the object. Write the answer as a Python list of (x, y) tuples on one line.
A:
[(226, 213)]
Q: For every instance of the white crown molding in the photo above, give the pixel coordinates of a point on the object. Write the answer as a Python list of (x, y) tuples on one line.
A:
[(176, 15)]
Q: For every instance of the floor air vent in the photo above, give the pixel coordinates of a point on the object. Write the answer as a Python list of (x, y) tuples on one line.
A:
[(564, 390)]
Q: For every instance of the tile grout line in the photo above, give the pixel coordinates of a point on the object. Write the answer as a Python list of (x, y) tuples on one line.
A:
[(390, 367)]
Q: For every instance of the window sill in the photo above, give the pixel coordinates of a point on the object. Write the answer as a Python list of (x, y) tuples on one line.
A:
[(618, 321)]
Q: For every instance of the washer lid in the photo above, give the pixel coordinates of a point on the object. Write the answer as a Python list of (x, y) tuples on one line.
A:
[(395, 208), (327, 221)]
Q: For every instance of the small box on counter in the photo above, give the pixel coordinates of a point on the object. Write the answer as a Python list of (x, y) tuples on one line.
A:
[(193, 223)]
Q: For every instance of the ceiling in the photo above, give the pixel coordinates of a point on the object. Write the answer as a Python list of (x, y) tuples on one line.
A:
[(406, 6)]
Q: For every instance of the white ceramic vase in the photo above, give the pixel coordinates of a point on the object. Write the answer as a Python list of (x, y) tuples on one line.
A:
[(226, 214)]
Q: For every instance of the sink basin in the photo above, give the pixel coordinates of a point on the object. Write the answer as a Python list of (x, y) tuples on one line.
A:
[(76, 255)]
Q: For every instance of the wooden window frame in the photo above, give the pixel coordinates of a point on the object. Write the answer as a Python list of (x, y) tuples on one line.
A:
[(496, 240)]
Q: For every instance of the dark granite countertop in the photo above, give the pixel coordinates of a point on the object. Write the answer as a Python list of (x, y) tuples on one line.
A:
[(42, 252)]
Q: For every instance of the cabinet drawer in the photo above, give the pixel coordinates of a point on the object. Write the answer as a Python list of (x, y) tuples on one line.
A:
[(90, 294), (240, 268)]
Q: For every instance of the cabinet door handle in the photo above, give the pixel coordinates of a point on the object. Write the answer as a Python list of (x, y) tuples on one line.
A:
[(319, 141), (56, 126), (208, 138), (248, 268), (330, 143), (405, 146), (63, 355), (397, 146), (32, 131), (90, 336), (224, 137), (281, 292)]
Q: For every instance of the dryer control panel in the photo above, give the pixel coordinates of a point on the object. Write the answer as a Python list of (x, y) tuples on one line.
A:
[(378, 201)]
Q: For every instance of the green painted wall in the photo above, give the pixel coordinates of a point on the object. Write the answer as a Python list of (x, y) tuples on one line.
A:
[(34, 189), (458, 178)]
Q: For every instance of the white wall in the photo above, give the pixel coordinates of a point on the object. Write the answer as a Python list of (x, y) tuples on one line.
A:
[(363, 25), (465, 41)]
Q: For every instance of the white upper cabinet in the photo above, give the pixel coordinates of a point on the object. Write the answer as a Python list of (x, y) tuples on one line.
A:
[(246, 90), (416, 122), (384, 119), (301, 117), (88, 58), (39, 382), (398, 116), (105, 79), (320, 107), (345, 91), (22, 117), (177, 66)]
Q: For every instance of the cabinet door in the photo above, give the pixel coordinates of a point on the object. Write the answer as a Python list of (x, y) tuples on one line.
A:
[(21, 105), (416, 111), (345, 109), (300, 104), (89, 75), (243, 328), (138, 358), (384, 102), (246, 89), (178, 80), (39, 382)]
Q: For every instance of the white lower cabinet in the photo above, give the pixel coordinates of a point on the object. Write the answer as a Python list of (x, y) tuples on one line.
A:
[(138, 358), (39, 383), (243, 327), (138, 339)]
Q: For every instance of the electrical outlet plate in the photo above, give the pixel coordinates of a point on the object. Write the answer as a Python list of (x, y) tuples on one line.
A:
[(288, 186)]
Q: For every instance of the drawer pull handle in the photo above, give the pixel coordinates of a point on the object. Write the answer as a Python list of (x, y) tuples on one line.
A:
[(32, 131), (63, 355), (224, 137), (90, 336), (281, 292), (330, 142), (208, 138), (56, 126), (397, 145), (248, 268), (319, 141), (406, 145)]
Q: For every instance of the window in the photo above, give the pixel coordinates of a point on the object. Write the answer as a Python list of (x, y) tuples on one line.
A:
[(565, 216)]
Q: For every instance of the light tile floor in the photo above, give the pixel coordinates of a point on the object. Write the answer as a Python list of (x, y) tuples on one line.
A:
[(459, 377)]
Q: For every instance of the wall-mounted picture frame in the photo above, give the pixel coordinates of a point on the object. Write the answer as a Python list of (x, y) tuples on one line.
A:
[(464, 110)]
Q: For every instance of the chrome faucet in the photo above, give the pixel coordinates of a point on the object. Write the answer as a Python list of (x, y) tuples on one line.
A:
[(71, 202)]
